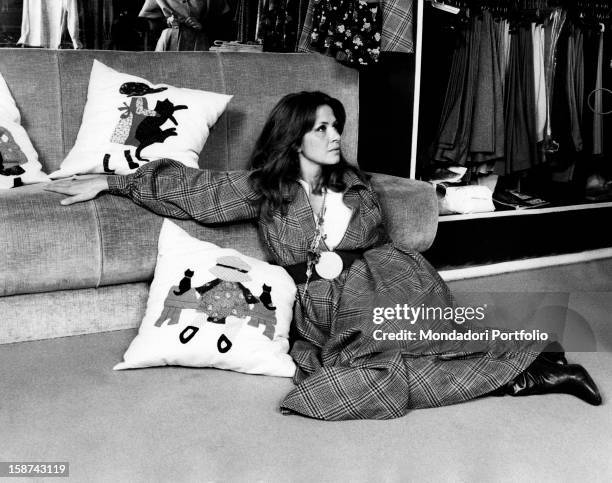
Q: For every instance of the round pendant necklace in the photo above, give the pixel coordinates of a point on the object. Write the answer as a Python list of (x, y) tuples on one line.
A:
[(327, 264)]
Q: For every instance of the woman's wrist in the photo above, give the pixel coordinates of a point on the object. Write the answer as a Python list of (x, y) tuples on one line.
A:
[(117, 184)]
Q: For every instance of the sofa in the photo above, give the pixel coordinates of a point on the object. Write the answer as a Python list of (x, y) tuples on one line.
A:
[(87, 267), (73, 287)]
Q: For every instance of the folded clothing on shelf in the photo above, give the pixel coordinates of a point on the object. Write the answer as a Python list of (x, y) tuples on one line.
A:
[(466, 200), (235, 46), (515, 200)]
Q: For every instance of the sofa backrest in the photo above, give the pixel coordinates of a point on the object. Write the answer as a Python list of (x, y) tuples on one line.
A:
[(50, 88)]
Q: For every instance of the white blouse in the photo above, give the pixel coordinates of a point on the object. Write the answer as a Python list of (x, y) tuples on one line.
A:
[(337, 216)]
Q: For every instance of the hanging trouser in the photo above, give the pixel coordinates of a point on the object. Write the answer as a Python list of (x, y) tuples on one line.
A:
[(487, 136), (461, 114), (537, 33), (451, 111), (575, 85), (598, 100), (553, 30), (521, 148), (43, 23)]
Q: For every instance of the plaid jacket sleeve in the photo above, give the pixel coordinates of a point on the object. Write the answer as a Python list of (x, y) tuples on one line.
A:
[(171, 189)]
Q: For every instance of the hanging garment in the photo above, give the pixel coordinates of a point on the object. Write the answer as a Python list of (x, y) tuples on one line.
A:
[(553, 29), (521, 148), (565, 159), (472, 124), (505, 35), (97, 24), (303, 10), (43, 23), (396, 23), (278, 21), (598, 104), (246, 19), (575, 84), (487, 133), (539, 69), (180, 36), (454, 136), (348, 30), (502, 38), (397, 26)]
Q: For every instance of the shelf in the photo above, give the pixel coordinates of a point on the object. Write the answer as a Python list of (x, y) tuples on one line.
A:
[(525, 264), (499, 237), (534, 211)]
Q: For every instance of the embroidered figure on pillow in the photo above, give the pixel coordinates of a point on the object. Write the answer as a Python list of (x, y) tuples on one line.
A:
[(231, 297), (218, 299), (265, 313), (130, 119), (175, 303), (149, 131), (226, 295), (11, 156)]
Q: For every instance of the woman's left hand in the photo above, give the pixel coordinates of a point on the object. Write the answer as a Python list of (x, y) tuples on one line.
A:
[(81, 188)]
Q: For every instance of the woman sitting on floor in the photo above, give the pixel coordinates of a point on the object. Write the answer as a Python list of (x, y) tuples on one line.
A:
[(313, 207)]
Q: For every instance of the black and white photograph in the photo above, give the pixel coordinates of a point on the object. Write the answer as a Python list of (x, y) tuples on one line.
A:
[(305, 240)]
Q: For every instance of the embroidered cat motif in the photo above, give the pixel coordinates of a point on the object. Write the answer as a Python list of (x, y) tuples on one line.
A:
[(185, 283), (138, 89), (266, 297), (149, 131)]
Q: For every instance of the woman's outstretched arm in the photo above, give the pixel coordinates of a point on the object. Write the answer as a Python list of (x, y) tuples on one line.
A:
[(171, 189)]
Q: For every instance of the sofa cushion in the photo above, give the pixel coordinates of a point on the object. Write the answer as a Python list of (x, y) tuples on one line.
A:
[(39, 103), (214, 307), (18, 158), (410, 210), (127, 121), (109, 241)]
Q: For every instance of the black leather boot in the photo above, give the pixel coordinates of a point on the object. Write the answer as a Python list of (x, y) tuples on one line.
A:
[(546, 377)]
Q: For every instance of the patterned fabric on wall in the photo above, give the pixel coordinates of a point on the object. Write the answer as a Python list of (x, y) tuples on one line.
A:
[(278, 24), (396, 24), (348, 30)]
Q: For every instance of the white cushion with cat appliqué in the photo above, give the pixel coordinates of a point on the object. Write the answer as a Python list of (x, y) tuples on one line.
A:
[(214, 307), (18, 159), (127, 121)]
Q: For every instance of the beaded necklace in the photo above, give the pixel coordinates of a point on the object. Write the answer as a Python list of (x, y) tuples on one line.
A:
[(314, 251)]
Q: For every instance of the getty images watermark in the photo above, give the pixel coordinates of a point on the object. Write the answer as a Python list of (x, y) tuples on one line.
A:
[(424, 314)]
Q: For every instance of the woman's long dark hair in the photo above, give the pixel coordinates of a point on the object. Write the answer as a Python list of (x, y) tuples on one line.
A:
[(275, 159)]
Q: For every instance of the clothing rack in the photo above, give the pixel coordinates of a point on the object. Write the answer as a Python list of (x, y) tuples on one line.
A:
[(592, 12)]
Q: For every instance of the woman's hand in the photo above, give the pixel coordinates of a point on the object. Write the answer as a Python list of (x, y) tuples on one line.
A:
[(80, 188), (191, 22)]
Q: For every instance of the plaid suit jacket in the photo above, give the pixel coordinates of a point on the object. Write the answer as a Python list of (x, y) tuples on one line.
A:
[(343, 371)]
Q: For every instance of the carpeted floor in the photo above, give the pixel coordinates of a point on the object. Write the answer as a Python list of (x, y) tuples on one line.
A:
[(62, 402)]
